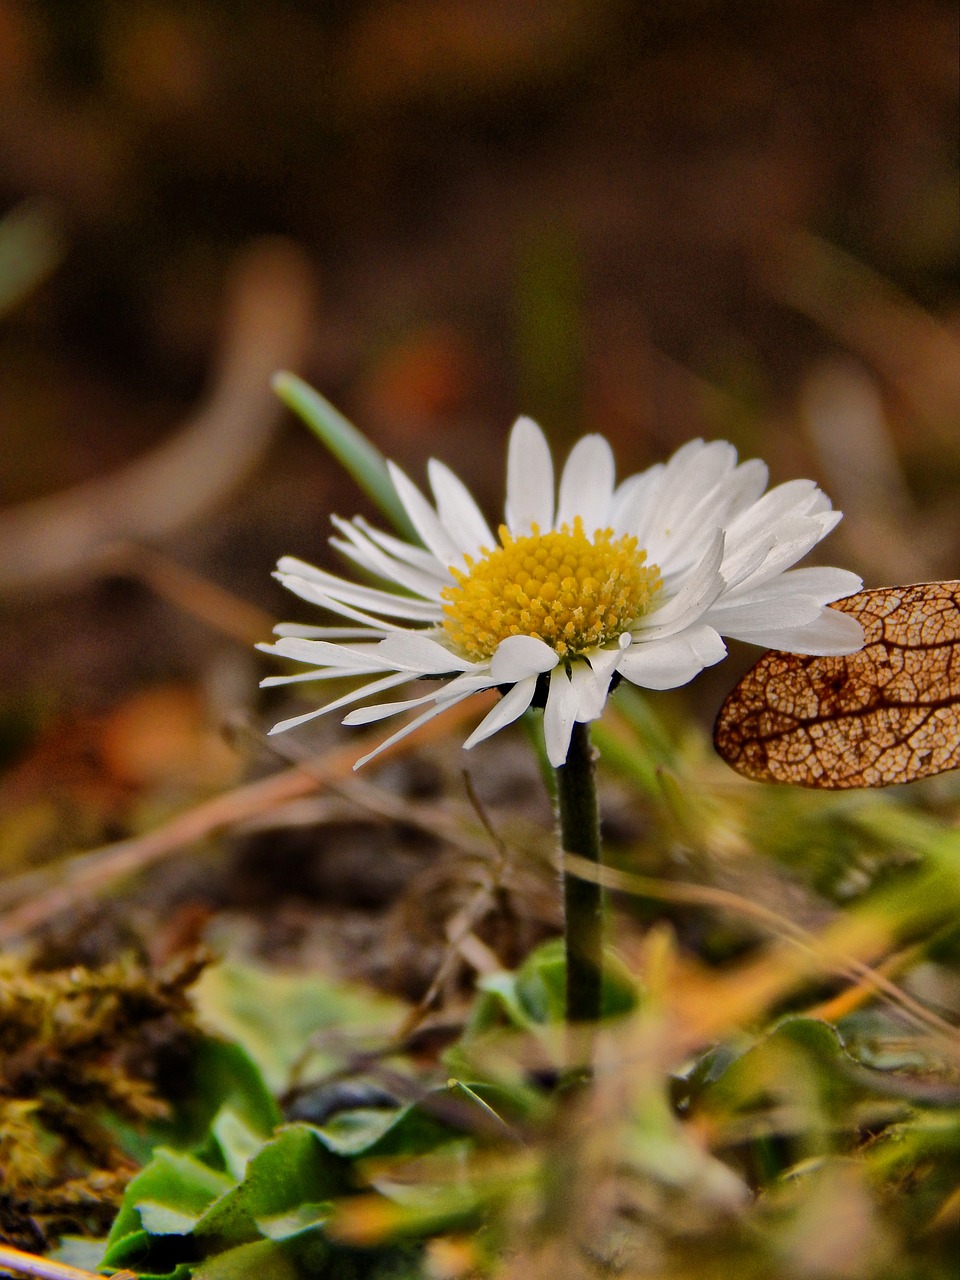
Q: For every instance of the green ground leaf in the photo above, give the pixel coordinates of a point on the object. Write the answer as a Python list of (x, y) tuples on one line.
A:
[(174, 1180), (799, 1049), (412, 1130), (533, 996), (176, 1190), (258, 1260), (354, 1133), (160, 1220), (238, 1143), (285, 1226), (77, 1251), (289, 1171), (224, 1080), (273, 1015), (177, 1205)]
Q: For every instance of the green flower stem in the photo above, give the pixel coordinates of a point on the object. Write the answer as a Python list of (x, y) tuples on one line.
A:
[(582, 899)]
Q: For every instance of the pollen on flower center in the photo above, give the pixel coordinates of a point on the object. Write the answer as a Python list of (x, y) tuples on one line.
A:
[(573, 592)]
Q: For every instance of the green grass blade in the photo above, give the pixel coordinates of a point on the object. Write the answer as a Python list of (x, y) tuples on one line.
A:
[(349, 446), (32, 245)]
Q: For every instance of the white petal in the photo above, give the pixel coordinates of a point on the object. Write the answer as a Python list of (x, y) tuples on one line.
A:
[(520, 656), (417, 557), (377, 625), (423, 517), (459, 514), (702, 586), (291, 567), (362, 551), (366, 598), (742, 563), (631, 501), (711, 485), (355, 659), (705, 643), (826, 584), (409, 728), (305, 632), (586, 487), (746, 486), (693, 469), (691, 501), (831, 634), (462, 685), (302, 569), (301, 677), (795, 498), (367, 690), (559, 715), (667, 664), (294, 722), (510, 707), (529, 479), (793, 539), (414, 652), (740, 621), (821, 580), (382, 710), (593, 677), (658, 492)]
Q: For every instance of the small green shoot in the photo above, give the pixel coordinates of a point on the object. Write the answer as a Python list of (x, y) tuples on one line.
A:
[(365, 463)]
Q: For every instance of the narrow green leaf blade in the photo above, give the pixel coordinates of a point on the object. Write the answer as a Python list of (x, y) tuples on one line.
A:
[(349, 446)]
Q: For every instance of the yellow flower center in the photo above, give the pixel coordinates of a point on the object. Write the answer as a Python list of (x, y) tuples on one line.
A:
[(573, 592)]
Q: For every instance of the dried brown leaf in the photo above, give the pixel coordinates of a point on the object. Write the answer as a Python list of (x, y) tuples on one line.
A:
[(890, 713)]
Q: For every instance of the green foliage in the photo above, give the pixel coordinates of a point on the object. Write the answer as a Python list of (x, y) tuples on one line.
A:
[(179, 1210), (775, 1094), (244, 1191), (257, 1201), (533, 996), (837, 1127), (280, 1018)]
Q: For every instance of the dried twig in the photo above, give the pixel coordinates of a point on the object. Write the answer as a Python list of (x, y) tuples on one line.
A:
[(268, 318), (30, 1264), (193, 593), (90, 873), (821, 951)]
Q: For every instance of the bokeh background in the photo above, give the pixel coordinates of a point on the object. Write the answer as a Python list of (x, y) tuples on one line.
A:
[(655, 221)]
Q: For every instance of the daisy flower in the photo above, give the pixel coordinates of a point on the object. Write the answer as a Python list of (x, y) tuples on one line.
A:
[(578, 589)]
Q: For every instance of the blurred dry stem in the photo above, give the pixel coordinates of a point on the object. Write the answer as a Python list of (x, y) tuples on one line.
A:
[(94, 871), (221, 610), (269, 311), (848, 427), (775, 974), (29, 1264), (904, 344)]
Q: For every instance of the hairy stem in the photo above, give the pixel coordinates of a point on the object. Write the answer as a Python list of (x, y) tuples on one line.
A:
[(582, 899)]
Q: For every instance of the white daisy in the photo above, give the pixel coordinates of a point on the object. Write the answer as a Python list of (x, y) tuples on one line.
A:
[(638, 580)]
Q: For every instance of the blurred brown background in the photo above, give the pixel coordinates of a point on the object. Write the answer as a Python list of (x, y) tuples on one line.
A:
[(712, 217)]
